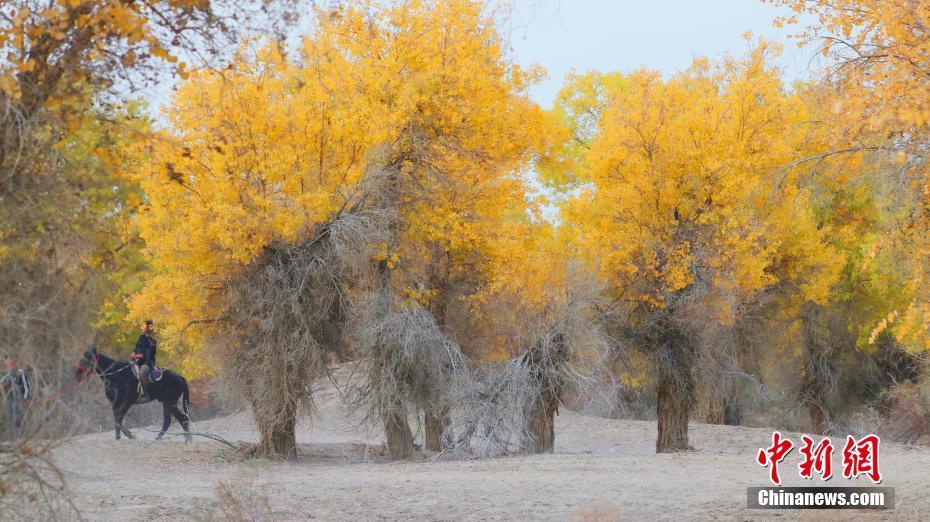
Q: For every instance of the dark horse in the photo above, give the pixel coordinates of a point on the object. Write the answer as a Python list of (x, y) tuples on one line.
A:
[(121, 387)]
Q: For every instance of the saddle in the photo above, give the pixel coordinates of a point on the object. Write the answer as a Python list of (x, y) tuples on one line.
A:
[(155, 376)]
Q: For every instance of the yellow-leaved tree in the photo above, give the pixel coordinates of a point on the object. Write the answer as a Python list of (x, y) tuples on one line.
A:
[(879, 65), (418, 95), (688, 215)]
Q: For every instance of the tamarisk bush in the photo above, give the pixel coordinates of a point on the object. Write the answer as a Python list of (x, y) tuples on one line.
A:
[(287, 314), (510, 406), (413, 367)]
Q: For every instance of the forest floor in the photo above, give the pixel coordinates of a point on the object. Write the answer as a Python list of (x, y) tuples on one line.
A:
[(602, 469)]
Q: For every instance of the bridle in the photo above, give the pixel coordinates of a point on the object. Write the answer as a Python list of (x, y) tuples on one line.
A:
[(85, 374)]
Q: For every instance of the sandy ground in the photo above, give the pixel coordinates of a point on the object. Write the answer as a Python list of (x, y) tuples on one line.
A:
[(602, 470)]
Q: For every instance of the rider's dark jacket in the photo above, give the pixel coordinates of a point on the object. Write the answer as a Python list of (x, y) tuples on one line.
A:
[(145, 347)]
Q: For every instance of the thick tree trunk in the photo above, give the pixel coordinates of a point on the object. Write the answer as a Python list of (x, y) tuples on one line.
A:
[(437, 420), (542, 425), (399, 436), (437, 417), (818, 370), (820, 419), (675, 395), (278, 441)]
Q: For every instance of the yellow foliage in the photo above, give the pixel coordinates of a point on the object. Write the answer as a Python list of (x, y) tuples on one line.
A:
[(270, 147), (687, 177), (880, 48), (46, 45)]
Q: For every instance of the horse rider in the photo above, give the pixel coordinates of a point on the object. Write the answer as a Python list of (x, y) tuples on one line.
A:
[(144, 357), (15, 387)]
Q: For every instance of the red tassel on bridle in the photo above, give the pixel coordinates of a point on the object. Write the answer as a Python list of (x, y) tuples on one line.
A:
[(83, 371)]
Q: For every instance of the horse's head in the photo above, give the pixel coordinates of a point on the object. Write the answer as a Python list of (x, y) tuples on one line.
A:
[(87, 363)]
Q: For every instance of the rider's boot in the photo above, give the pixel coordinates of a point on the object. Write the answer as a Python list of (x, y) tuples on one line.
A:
[(144, 382), (144, 398)]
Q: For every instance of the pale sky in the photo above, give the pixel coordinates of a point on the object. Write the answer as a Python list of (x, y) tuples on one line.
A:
[(622, 35)]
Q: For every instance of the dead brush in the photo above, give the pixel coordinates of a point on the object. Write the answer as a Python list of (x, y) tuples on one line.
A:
[(510, 407), (286, 314), (602, 510), (412, 367), (908, 418), (32, 487), (242, 500)]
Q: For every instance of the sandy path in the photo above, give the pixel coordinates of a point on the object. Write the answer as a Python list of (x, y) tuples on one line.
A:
[(601, 466)]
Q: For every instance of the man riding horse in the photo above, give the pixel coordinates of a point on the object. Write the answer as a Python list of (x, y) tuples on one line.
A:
[(121, 386), (144, 357)]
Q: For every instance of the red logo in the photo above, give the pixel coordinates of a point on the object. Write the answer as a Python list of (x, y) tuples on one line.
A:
[(774, 454), (816, 459), (861, 458)]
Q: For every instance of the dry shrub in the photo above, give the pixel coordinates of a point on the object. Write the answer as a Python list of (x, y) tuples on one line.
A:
[(493, 408), (509, 407), (603, 510), (908, 418), (286, 314), (492, 411), (240, 500), (32, 487), (413, 367), (728, 370)]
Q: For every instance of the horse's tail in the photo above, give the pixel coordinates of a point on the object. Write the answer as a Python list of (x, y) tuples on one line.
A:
[(186, 399)]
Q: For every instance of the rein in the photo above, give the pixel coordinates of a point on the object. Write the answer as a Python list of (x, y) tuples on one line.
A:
[(85, 375), (67, 389), (114, 372)]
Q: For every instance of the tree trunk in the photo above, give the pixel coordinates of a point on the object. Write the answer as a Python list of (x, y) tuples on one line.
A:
[(399, 437), (278, 441), (820, 419), (437, 417), (542, 425), (818, 370), (674, 395), (713, 406), (732, 411), (437, 420)]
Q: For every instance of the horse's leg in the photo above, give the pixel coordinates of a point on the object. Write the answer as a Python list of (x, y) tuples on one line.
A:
[(119, 420), (185, 422), (166, 422), (125, 430)]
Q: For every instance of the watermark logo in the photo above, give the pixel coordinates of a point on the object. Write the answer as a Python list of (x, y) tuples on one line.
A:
[(771, 456), (860, 458), (816, 459), (819, 498)]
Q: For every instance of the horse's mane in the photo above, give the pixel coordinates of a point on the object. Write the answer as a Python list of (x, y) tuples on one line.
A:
[(106, 363)]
